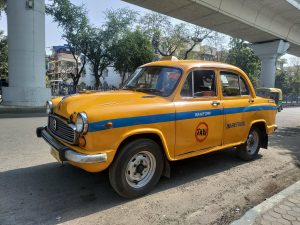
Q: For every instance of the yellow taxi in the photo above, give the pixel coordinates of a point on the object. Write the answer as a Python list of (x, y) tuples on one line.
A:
[(167, 111)]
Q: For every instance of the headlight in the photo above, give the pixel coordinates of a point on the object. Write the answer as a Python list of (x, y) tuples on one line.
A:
[(49, 107), (81, 123)]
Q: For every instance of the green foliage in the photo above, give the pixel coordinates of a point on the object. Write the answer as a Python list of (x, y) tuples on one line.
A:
[(169, 39), (288, 78), (102, 41), (293, 79), (282, 81), (242, 56), (2, 6), (3, 56), (75, 24), (132, 51)]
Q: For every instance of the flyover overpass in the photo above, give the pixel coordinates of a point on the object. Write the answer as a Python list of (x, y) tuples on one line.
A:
[(252, 20), (272, 25)]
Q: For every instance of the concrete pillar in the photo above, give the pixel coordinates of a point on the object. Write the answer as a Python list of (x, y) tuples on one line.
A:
[(268, 52), (26, 54)]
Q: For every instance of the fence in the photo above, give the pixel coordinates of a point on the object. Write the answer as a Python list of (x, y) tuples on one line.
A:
[(291, 101)]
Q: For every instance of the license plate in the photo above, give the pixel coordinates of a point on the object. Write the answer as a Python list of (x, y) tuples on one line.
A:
[(55, 154)]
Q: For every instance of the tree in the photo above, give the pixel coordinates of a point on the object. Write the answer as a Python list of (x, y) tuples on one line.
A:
[(102, 41), (170, 39), (294, 78), (2, 6), (74, 22), (3, 56), (242, 56), (133, 50), (282, 81)]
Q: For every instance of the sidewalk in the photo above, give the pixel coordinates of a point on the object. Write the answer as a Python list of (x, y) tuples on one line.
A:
[(21, 111), (282, 208)]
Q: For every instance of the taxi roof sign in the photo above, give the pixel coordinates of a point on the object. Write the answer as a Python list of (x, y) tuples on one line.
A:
[(168, 58)]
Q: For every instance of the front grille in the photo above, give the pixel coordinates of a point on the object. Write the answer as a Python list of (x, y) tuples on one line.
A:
[(61, 129)]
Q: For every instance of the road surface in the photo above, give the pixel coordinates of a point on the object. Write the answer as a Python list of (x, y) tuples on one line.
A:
[(212, 189)]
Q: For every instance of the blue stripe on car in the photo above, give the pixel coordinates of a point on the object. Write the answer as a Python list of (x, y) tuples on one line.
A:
[(159, 118)]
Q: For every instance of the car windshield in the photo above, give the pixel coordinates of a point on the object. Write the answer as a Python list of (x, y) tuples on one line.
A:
[(155, 80)]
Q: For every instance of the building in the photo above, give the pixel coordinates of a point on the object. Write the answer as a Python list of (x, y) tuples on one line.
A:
[(61, 64)]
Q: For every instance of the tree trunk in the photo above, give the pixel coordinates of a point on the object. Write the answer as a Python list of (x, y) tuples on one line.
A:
[(123, 78), (75, 84), (96, 75)]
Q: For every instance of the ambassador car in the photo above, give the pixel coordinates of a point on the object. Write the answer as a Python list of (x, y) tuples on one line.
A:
[(168, 110)]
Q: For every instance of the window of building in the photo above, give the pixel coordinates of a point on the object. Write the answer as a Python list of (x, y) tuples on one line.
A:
[(200, 83)]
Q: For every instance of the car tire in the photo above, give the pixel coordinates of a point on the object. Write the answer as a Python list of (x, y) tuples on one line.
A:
[(249, 150), (136, 168)]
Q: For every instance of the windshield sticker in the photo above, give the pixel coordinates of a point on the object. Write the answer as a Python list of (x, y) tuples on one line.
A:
[(201, 132)]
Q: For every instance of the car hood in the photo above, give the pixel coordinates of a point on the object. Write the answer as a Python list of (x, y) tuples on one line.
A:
[(96, 103)]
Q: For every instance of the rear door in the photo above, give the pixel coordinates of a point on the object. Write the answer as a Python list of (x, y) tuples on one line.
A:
[(237, 102)]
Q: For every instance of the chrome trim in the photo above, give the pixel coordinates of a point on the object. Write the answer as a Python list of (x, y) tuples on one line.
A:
[(72, 126), (49, 102), (85, 122), (81, 158), (67, 154)]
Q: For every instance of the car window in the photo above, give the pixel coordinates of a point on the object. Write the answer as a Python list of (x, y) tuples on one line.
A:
[(230, 84), (200, 83), (233, 84)]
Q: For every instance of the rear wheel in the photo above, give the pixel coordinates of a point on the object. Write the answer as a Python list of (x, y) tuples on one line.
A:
[(249, 150), (137, 168)]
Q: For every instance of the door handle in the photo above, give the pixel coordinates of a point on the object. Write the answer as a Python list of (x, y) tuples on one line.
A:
[(215, 103)]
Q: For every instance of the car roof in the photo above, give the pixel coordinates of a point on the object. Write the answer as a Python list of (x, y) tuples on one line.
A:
[(185, 64)]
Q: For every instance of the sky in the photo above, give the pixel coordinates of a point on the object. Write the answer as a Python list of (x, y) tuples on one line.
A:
[(96, 9)]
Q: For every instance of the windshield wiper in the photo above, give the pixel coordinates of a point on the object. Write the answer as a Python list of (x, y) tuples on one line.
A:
[(129, 88), (149, 90)]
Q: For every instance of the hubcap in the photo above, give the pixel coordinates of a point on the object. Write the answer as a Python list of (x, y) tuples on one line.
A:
[(140, 169), (252, 142)]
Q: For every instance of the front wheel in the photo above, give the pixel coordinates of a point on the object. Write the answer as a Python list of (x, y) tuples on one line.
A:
[(249, 150), (137, 168)]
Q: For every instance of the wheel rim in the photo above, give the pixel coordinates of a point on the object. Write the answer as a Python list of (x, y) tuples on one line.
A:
[(140, 169), (252, 142)]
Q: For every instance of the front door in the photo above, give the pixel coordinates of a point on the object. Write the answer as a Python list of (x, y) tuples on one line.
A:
[(199, 117)]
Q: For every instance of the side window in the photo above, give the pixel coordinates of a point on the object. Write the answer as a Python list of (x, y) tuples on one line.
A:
[(233, 84), (200, 83), (230, 84), (244, 87)]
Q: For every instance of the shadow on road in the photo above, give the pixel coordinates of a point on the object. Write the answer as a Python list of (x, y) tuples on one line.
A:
[(49, 194), (284, 138)]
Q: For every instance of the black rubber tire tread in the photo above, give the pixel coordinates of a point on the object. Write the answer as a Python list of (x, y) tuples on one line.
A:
[(242, 149), (117, 169)]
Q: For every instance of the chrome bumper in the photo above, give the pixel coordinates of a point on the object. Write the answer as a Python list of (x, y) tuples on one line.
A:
[(67, 154)]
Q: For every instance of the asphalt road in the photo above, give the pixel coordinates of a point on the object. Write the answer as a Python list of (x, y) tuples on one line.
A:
[(212, 189)]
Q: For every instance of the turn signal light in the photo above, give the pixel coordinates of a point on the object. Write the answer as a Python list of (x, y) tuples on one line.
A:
[(82, 141)]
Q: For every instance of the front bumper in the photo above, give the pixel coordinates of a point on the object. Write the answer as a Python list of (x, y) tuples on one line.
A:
[(67, 154)]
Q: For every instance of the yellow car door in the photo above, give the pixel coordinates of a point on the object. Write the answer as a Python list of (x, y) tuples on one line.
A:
[(199, 116), (237, 103)]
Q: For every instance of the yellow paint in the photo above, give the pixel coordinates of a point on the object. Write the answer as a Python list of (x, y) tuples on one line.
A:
[(178, 137)]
